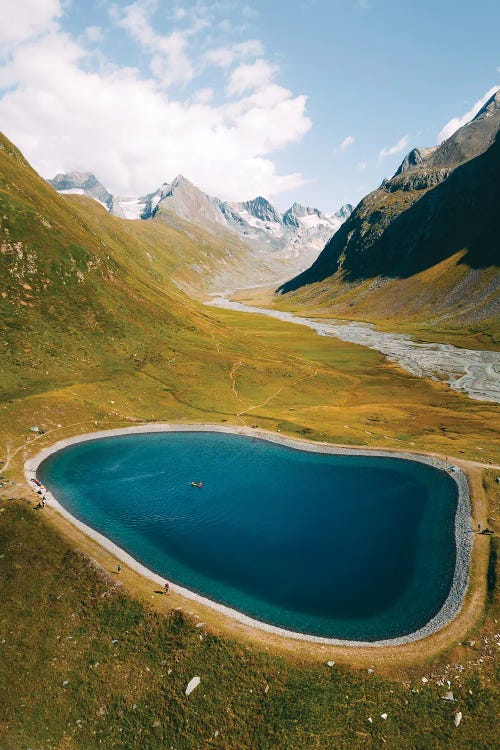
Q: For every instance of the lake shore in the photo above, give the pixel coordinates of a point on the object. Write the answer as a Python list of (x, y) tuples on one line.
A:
[(463, 535)]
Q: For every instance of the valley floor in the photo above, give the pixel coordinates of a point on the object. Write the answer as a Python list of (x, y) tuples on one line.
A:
[(474, 372), (90, 660)]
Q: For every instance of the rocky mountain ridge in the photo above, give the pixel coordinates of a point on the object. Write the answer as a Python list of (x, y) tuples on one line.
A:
[(297, 235), (442, 203)]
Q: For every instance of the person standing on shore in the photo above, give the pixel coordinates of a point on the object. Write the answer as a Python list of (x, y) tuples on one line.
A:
[(167, 587)]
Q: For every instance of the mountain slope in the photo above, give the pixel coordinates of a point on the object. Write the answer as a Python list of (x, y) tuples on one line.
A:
[(82, 183), (282, 244), (440, 211), (87, 297)]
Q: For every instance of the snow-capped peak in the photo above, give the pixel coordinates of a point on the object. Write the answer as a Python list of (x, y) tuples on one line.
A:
[(296, 236), (261, 209)]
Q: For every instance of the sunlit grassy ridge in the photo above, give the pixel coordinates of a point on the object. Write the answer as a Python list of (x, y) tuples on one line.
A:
[(95, 334)]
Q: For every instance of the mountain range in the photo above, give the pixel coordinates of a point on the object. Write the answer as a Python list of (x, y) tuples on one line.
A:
[(289, 241), (422, 247), (425, 244)]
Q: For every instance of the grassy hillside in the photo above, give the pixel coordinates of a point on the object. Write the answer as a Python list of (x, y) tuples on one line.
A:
[(95, 334), (97, 668)]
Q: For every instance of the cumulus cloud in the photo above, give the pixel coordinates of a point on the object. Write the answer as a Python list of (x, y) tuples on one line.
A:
[(170, 63), (395, 148), (23, 20), (456, 122), (248, 77), (348, 141), (223, 57), (130, 131)]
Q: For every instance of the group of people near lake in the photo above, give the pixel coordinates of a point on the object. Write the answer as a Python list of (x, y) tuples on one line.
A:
[(40, 490)]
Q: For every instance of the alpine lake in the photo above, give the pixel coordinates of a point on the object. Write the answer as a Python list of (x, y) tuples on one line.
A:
[(351, 547)]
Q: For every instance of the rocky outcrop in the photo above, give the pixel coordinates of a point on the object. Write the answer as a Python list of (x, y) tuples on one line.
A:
[(415, 157)]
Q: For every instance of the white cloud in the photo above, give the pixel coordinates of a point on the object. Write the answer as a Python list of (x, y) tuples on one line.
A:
[(223, 57), (170, 63), (203, 96), (394, 149), (456, 122), (179, 13), (128, 129), (362, 165), (93, 34), (24, 19), (250, 77), (348, 141)]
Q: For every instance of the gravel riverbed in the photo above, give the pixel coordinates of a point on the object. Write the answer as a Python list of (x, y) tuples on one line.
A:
[(472, 371)]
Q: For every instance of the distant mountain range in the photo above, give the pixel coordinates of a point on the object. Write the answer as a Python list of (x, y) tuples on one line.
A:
[(425, 242), (297, 235)]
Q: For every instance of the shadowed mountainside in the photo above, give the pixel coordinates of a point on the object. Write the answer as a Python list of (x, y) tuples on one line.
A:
[(434, 211)]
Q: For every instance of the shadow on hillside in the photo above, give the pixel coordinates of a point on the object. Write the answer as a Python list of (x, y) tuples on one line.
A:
[(460, 213)]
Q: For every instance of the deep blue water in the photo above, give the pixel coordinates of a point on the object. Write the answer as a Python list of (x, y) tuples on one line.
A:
[(349, 547)]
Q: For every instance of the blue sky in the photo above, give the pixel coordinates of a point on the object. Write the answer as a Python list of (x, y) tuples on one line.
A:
[(313, 100)]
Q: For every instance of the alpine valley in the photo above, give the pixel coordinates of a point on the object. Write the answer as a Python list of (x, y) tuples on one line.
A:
[(280, 244), (109, 321)]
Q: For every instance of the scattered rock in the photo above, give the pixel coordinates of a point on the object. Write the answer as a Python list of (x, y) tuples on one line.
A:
[(200, 624), (458, 718), (266, 689), (370, 720), (192, 684), (330, 663), (65, 682), (371, 670), (383, 716), (424, 679), (448, 696)]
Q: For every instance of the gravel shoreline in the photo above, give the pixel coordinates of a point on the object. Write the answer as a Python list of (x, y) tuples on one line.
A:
[(463, 529)]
